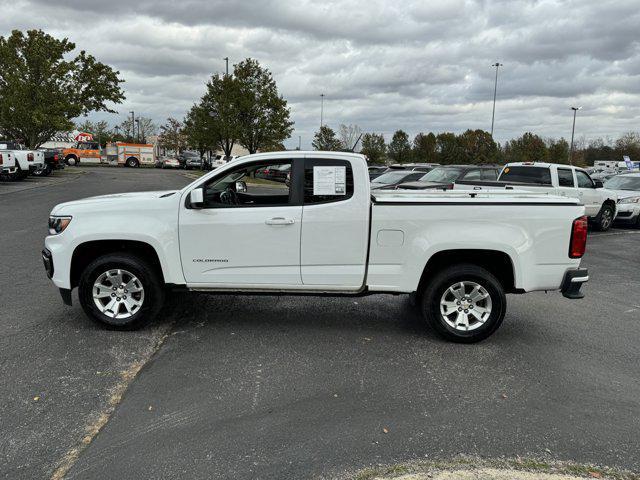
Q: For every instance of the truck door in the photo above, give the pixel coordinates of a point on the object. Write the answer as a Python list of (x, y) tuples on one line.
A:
[(335, 225), (247, 232), (588, 193), (567, 184)]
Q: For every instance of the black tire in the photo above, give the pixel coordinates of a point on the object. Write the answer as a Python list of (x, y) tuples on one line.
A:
[(132, 162), (71, 160), (604, 220), (20, 173), (148, 277), (449, 277)]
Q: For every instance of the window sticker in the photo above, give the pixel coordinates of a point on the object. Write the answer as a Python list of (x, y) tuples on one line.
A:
[(329, 180)]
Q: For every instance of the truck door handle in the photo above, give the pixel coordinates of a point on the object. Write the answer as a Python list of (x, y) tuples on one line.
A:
[(280, 221)]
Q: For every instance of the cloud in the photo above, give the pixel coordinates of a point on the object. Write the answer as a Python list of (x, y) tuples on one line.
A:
[(383, 65)]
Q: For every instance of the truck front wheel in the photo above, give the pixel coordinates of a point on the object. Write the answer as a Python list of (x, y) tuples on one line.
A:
[(604, 220), (120, 291), (464, 303)]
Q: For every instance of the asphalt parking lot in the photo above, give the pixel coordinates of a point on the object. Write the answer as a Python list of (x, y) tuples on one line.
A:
[(303, 387)]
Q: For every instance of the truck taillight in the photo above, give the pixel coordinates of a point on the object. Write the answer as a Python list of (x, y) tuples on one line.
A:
[(578, 243), (55, 157), (29, 157)]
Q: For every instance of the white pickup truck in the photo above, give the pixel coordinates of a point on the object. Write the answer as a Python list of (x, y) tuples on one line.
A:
[(556, 179), (7, 164), (27, 161), (319, 231)]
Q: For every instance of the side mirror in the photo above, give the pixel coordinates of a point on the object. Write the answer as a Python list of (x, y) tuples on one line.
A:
[(241, 187), (196, 197), (598, 184)]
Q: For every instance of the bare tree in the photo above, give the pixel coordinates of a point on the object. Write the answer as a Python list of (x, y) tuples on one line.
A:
[(349, 135)]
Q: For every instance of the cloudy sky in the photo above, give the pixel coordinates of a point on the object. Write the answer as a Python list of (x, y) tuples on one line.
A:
[(417, 65)]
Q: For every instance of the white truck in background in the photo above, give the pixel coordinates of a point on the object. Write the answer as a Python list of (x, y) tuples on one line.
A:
[(7, 164), (27, 161), (320, 232), (555, 179)]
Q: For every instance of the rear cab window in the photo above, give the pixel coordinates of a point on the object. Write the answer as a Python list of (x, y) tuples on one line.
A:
[(526, 174), (565, 177), (327, 181)]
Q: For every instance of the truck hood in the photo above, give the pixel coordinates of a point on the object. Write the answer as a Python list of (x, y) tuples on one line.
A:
[(115, 200)]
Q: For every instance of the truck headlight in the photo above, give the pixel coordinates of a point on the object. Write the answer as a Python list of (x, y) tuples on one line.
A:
[(58, 225), (629, 200)]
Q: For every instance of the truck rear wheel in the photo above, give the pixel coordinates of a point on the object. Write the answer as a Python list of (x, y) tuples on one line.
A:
[(464, 303), (132, 162), (120, 291)]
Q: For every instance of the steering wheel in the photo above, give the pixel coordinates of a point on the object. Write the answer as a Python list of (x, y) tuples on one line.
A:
[(229, 197)]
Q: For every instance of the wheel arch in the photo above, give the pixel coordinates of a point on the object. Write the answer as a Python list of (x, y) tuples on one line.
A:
[(497, 262), (88, 251)]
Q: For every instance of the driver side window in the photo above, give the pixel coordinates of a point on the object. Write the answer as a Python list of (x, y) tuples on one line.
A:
[(584, 181), (254, 185)]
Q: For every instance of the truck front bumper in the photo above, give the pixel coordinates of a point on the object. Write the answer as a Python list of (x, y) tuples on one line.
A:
[(572, 282), (47, 260)]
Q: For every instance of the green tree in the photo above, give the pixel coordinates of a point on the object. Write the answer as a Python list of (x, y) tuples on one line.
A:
[(424, 148), (557, 150), (476, 147), (199, 130), (447, 148), (263, 114), (374, 147), (399, 148), (43, 87), (325, 139), (528, 148), (221, 102), (171, 136)]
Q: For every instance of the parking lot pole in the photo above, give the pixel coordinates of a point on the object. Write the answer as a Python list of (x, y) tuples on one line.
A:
[(495, 91), (573, 130), (321, 108)]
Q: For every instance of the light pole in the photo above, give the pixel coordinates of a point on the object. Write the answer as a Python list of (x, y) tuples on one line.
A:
[(299, 142), (495, 91), (133, 124), (138, 134), (226, 59), (573, 131), (321, 108)]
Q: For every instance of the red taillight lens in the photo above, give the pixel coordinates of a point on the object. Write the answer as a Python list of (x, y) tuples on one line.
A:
[(29, 157), (578, 243), (1, 161), (55, 157)]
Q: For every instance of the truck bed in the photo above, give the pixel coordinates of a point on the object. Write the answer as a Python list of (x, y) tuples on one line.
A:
[(476, 197)]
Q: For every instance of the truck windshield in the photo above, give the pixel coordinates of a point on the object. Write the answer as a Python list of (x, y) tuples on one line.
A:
[(444, 175), (623, 182), (526, 174)]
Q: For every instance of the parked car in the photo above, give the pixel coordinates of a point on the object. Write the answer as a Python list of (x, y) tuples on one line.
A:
[(53, 160), (184, 156), (394, 177), (326, 233), (563, 180), (192, 163), (627, 188), (376, 170), (27, 161), (418, 167), (170, 163), (445, 176)]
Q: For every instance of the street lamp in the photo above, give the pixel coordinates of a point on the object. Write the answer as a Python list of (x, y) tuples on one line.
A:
[(138, 134), (321, 108), (495, 91), (133, 124), (226, 59), (573, 130)]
